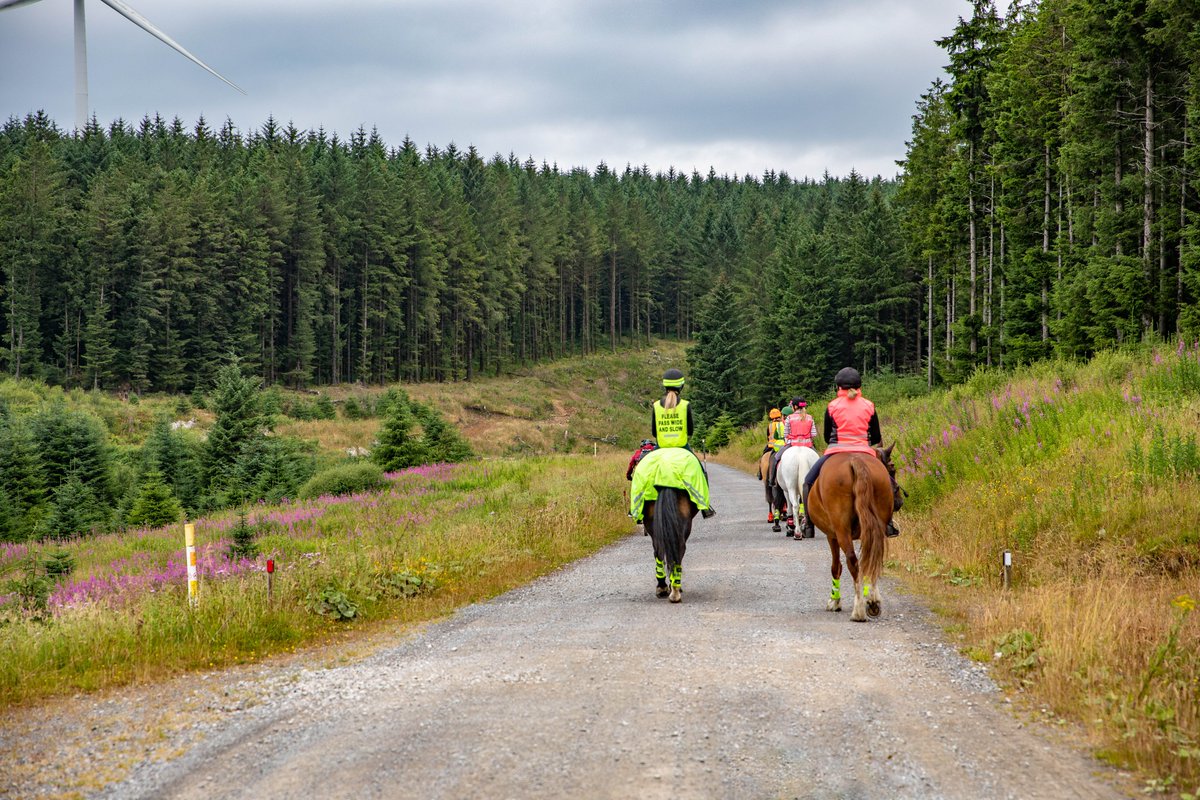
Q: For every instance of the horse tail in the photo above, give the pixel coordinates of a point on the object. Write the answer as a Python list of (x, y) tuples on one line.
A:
[(871, 528), (669, 526)]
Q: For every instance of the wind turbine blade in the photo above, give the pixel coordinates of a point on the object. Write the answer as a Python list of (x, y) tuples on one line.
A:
[(143, 23), (14, 3)]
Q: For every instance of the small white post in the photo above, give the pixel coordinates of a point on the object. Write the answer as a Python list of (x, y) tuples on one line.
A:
[(189, 538), (1007, 569)]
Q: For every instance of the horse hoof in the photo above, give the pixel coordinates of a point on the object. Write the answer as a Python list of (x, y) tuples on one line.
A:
[(776, 527), (833, 605), (661, 591), (790, 533), (874, 608), (676, 595)]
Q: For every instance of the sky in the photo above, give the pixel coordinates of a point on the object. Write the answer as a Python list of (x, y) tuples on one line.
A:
[(739, 86)]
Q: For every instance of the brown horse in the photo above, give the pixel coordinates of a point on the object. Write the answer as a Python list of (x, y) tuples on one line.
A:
[(668, 523), (852, 499), (776, 504)]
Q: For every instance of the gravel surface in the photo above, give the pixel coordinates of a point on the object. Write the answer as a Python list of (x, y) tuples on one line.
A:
[(583, 684)]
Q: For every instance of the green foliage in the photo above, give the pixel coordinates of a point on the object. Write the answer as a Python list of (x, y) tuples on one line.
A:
[(31, 585), (356, 408), (404, 583), (332, 602), (270, 469), (241, 540), (155, 505), (719, 435), (398, 447), (343, 479), (239, 421), (440, 442), (324, 408), (58, 564), (1018, 651), (74, 511), (718, 376)]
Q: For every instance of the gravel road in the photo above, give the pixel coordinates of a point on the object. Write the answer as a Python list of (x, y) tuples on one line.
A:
[(583, 684)]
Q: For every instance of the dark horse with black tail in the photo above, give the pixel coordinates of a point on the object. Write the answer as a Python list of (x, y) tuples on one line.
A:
[(776, 506), (668, 523), (852, 499)]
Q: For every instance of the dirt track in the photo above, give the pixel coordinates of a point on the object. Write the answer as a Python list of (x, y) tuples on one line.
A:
[(583, 684)]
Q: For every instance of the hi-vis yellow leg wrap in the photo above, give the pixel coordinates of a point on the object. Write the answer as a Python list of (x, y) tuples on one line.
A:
[(866, 589), (660, 569), (676, 575), (836, 594)]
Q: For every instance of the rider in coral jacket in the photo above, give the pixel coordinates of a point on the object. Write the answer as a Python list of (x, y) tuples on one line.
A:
[(851, 426)]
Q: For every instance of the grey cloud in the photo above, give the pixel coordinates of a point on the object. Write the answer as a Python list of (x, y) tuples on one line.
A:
[(787, 80)]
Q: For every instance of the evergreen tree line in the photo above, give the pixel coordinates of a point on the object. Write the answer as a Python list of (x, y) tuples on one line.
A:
[(142, 257), (60, 475), (1048, 201)]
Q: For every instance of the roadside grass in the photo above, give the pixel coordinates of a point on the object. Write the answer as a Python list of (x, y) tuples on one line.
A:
[(437, 539), (1089, 475)]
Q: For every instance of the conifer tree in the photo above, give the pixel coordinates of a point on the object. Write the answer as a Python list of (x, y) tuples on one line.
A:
[(74, 510), (441, 441), (716, 359), (155, 505), (239, 420), (397, 447)]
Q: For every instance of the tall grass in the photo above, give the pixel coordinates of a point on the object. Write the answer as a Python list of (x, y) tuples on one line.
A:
[(436, 539)]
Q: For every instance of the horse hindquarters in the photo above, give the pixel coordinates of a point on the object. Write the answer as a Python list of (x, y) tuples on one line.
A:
[(670, 536)]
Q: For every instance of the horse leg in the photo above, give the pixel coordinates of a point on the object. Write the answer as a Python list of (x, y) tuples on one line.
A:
[(874, 604), (660, 567), (676, 583), (859, 614), (835, 594)]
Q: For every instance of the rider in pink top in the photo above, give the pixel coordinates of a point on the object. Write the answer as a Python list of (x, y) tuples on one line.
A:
[(851, 426)]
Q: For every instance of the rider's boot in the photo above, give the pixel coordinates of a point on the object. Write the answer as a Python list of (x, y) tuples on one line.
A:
[(807, 530), (897, 502)]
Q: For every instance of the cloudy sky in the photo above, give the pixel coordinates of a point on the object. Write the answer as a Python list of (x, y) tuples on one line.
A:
[(742, 86)]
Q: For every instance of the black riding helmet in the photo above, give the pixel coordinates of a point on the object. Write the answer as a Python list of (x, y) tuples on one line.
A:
[(848, 378), (673, 379)]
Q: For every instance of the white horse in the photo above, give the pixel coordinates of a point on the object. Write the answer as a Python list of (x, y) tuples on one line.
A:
[(794, 464)]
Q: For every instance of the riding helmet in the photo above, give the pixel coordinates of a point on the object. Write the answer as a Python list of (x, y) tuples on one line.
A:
[(798, 402), (848, 378), (673, 379), (775, 414)]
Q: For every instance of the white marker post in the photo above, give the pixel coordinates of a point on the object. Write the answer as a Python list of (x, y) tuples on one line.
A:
[(1007, 569), (189, 538)]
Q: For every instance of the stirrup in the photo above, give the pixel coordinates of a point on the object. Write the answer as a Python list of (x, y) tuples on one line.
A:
[(892, 531), (708, 512)]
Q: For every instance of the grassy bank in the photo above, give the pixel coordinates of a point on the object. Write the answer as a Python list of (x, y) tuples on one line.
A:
[(436, 539), (1089, 475)]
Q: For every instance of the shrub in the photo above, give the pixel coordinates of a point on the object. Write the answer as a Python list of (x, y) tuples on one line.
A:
[(324, 408), (721, 432), (361, 476), (332, 602)]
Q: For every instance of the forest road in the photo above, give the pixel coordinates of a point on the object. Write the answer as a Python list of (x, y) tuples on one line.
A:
[(583, 684)]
